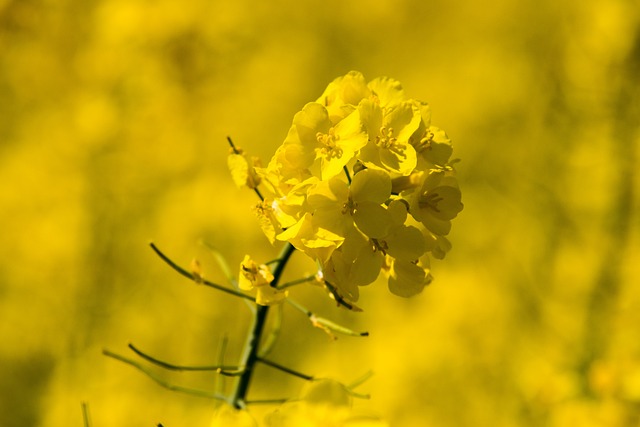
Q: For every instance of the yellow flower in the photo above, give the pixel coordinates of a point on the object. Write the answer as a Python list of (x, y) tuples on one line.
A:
[(338, 206), (253, 275), (387, 91), (389, 131), (393, 206), (267, 219), (242, 170), (434, 148), (284, 171), (437, 202), (314, 141), (404, 242), (406, 278), (343, 94), (356, 263), (259, 277), (315, 241)]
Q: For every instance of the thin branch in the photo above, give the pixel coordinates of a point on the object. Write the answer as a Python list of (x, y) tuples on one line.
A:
[(266, 402), (359, 381), (162, 382), (299, 307), (326, 325), (298, 282), (218, 384), (236, 151), (198, 279), (341, 301), (173, 367), (346, 172), (233, 146), (224, 265), (235, 373), (85, 414), (358, 395), (285, 369), (271, 339)]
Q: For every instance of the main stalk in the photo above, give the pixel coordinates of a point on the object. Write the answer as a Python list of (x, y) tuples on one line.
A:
[(250, 355)]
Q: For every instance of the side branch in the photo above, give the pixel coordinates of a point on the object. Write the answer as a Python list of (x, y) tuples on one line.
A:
[(162, 382), (173, 367), (341, 301), (198, 279), (285, 369)]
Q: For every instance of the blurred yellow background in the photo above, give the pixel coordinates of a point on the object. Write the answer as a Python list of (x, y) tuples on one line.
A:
[(113, 118)]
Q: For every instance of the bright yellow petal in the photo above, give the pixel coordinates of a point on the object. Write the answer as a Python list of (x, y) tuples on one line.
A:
[(371, 185), (398, 210), (401, 158), (387, 90), (404, 119), (268, 295), (371, 117), (372, 219), (366, 267), (239, 168), (312, 119), (405, 243), (407, 279)]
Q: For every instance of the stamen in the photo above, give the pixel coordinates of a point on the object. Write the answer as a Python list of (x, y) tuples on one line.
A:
[(425, 142), (385, 138), (329, 142), (349, 207), (430, 201)]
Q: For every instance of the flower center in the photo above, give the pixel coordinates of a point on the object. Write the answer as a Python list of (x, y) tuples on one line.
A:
[(430, 200), (349, 207), (425, 142), (385, 138), (379, 245), (329, 144)]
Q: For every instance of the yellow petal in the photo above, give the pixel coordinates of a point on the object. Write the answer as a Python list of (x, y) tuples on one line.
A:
[(371, 185), (312, 119), (268, 295), (372, 219), (388, 91), (239, 168), (405, 243), (407, 279)]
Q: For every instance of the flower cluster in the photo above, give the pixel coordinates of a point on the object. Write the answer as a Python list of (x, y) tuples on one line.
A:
[(362, 184)]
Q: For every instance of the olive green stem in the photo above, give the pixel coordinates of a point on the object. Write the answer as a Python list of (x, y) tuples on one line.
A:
[(161, 381), (250, 356), (198, 279), (85, 414), (173, 367)]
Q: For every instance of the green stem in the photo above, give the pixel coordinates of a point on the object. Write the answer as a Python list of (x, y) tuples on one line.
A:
[(250, 356), (199, 280)]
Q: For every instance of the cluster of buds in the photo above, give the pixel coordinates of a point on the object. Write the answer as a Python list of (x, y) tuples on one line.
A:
[(362, 184)]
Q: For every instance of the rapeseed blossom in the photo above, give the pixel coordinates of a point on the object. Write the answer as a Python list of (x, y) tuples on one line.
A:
[(363, 183), (259, 277)]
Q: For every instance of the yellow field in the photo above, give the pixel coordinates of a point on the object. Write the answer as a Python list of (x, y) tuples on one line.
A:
[(113, 123)]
